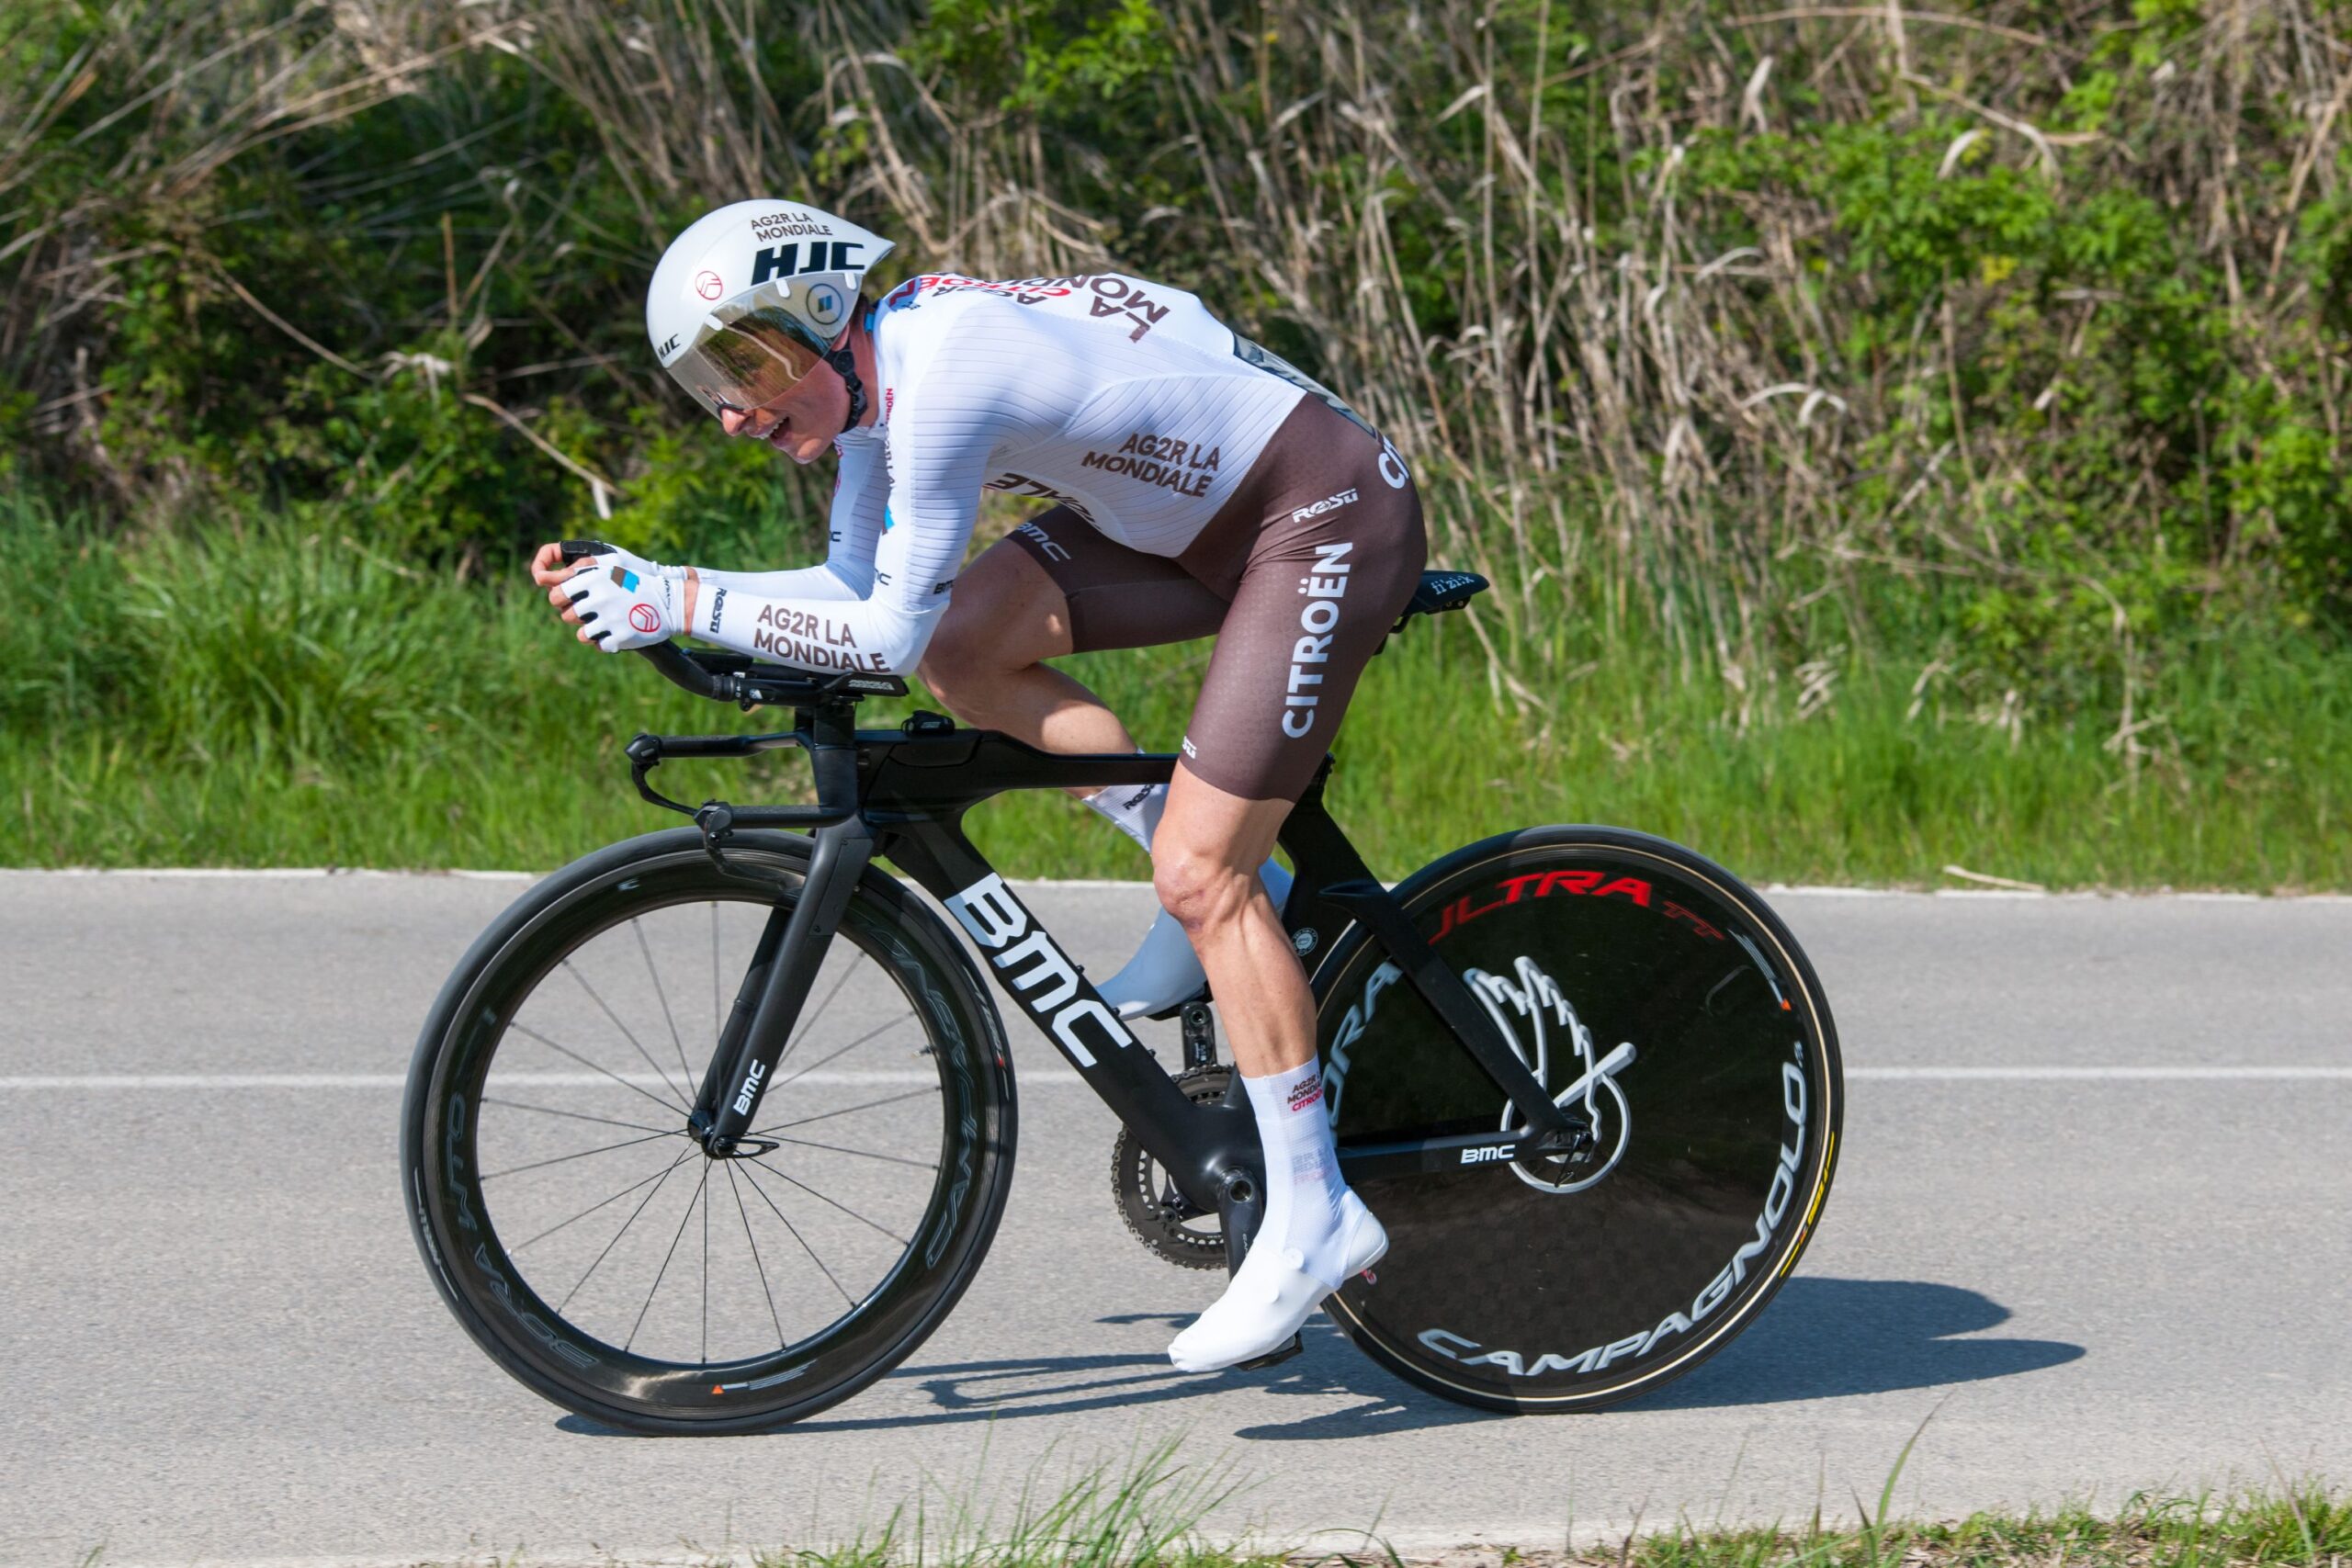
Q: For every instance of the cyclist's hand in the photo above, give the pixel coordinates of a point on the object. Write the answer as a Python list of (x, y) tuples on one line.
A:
[(551, 571), (548, 567), (618, 609)]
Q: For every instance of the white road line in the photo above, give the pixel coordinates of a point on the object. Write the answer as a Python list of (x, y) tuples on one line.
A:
[(71, 1081), (398, 1081), (2150, 896), (2102, 1075)]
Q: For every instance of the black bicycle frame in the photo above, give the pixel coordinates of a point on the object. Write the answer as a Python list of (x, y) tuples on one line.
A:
[(902, 794)]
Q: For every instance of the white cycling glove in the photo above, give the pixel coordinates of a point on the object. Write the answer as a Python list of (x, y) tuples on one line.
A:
[(613, 555), (620, 608)]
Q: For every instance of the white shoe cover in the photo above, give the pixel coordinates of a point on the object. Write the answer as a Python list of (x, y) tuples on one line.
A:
[(1271, 1295), (1165, 970)]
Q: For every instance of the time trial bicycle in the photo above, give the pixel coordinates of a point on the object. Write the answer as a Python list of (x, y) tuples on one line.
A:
[(714, 1126)]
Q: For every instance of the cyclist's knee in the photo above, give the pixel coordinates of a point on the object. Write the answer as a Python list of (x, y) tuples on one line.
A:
[(1197, 883)]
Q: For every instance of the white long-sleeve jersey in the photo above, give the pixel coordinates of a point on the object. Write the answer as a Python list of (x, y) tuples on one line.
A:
[(1123, 399)]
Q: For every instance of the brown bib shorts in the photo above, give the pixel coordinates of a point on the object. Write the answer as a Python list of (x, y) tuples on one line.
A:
[(1298, 576)]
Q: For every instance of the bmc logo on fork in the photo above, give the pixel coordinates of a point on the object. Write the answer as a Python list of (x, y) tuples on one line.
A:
[(750, 1082), (1050, 986)]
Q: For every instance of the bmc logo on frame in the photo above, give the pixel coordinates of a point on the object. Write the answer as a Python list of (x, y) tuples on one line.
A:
[(1049, 987)]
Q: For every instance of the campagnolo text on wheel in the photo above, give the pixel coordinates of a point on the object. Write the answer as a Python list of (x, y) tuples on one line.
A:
[(714, 1126)]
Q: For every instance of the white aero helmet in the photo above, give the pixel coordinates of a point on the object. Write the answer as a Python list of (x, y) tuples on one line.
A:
[(751, 297)]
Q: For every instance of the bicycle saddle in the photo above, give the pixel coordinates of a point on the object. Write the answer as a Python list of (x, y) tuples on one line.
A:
[(1440, 591)]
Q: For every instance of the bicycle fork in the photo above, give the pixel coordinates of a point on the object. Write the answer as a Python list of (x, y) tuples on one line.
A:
[(791, 950)]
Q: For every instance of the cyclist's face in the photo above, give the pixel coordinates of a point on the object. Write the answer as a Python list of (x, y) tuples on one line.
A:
[(802, 422)]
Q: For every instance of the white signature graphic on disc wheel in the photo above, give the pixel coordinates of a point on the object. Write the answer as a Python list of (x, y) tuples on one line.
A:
[(1528, 1006)]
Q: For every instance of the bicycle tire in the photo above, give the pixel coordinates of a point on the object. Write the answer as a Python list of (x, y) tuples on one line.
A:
[(1541, 1285), (454, 1214)]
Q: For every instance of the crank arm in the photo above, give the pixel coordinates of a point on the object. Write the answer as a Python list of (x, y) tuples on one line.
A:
[(1609, 1067)]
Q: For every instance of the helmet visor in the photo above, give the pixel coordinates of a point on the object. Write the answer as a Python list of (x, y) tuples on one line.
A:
[(747, 363)]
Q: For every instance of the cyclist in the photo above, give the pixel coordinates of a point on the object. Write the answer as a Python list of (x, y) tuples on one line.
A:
[(1201, 485)]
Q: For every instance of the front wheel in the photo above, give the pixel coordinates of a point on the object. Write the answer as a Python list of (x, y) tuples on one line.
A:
[(1657, 996), (588, 1242)]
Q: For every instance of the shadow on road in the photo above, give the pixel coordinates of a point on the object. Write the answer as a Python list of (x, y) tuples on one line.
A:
[(1827, 1338), (1819, 1339)]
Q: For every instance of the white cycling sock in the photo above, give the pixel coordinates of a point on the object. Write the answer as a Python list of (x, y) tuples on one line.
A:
[(1315, 1232), (1134, 809), (1303, 1185)]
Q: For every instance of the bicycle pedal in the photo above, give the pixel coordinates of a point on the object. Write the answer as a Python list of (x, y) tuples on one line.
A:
[(1272, 1357)]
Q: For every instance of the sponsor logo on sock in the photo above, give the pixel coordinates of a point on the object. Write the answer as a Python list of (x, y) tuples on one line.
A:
[(1309, 1093)]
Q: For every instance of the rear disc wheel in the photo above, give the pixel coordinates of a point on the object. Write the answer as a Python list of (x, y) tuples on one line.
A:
[(1675, 1013)]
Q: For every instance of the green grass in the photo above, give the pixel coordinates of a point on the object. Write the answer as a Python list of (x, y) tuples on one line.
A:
[(1149, 1514), (2305, 1525), (1150, 1511), (266, 698)]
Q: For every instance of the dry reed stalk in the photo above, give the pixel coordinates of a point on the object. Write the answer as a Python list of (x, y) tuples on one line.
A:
[(1494, 242)]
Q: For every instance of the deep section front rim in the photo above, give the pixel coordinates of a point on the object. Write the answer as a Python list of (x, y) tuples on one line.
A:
[(1708, 1065), (654, 1366)]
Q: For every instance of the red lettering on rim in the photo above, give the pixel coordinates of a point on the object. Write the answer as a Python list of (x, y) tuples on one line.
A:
[(1581, 884)]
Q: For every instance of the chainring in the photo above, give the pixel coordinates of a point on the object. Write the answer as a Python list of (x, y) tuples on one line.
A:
[(1167, 1223)]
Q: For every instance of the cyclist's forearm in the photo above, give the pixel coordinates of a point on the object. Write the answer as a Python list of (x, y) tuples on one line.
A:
[(829, 579), (822, 632), (829, 583)]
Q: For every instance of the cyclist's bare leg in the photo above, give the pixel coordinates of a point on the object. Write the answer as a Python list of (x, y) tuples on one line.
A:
[(985, 660), (1313, 1232), (1204, 863)]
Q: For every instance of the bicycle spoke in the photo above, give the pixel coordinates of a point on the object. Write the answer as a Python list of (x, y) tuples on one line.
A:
[(846, 1111), (685, 1073), (862, 1154), (625, 1031), (573, 1115), (583, 1153), (843, 1052), (776, 1317), (592, 1266), (762, 1193), (593, 1208), (534, 1034), (662, 1273), (810, 1021), (754, 1168)]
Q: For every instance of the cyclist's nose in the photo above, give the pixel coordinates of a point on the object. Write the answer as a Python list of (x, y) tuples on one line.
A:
[(735, 421)]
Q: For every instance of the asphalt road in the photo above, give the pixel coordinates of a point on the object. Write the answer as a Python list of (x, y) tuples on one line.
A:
[(2092, 1213)]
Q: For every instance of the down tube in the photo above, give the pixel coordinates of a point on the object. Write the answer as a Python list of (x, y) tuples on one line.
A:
[(1060, 999)]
